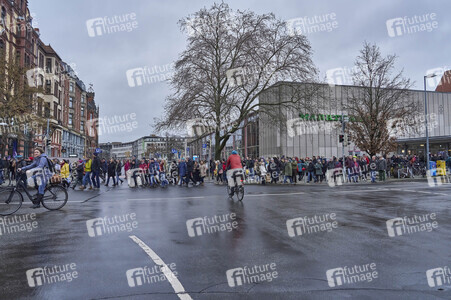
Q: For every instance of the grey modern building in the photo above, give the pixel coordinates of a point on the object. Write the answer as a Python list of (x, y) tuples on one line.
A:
[(305, 133)]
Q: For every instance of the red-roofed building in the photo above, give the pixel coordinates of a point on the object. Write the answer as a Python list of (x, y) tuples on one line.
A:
[(444, 85)]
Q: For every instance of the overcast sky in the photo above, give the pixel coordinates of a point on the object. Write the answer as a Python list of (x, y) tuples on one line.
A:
[(103, 60)]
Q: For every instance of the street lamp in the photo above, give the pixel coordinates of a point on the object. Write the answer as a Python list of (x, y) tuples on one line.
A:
[(426, 118)]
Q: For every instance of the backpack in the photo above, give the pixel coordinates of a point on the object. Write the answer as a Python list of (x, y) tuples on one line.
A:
[(51, 165)]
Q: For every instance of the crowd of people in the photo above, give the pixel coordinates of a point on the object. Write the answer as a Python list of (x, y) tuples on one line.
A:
[(87, 172), (290, 170)]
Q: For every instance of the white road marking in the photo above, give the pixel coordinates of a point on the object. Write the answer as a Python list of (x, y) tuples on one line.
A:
[(147, 199), (173, 280)]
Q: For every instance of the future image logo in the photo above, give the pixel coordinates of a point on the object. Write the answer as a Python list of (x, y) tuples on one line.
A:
[(251, 275), (408, 225), (312, 24), (308, 225), (18, 223), (340, 76), (109, 225), (235, 77), (349, 275), (53, 274), (112, 24), (148, 75), (410, 25), (208, 225), (299, 127), (439, 79), (438, 276), (146, 275)]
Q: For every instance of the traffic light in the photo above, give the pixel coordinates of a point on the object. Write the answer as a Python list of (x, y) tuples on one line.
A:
[(48, 142), (63, 150), (208, 143), (341, 138)]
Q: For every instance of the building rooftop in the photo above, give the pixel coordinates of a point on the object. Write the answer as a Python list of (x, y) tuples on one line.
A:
[(444, 85)]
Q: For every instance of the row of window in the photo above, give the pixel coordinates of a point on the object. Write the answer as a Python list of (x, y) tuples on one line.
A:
[(72, 138)]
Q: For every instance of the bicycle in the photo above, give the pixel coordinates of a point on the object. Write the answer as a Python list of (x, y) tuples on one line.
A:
[(7, 178), (238, 188), (11, 198), (419, 169)]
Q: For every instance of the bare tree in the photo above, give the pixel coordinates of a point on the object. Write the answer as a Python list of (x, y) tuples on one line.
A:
[(380, 103), (231, 58), (17, 100)]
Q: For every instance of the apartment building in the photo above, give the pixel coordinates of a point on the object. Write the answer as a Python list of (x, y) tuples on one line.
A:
[(64, 104)]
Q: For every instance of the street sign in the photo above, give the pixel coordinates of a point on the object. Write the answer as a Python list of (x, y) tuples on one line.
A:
[(204, 146), (187, 149), (204, 151), (174, 151), (98, 150), (73, 155)]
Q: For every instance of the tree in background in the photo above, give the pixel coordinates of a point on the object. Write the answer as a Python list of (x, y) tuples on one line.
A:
[(380, 104), (231, 58), (18, 101)]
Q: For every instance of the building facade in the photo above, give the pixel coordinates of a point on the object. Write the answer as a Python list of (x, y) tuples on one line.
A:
[(64, 103), (147, 146), (307, 134)]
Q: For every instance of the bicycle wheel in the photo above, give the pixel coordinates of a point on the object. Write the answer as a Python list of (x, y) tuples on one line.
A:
[(239, 192), (229, 191), (55, 197), (6, 182), (10, 201)]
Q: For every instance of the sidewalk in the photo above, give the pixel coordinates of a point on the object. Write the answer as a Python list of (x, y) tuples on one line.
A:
[(388, 180)]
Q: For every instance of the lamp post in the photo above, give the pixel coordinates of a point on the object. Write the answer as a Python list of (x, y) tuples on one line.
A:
[(426, 118)]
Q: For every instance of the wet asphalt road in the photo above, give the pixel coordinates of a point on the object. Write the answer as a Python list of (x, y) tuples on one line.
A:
[(261, 237)]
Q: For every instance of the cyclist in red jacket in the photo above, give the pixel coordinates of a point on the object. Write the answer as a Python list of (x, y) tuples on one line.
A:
[(234, 161), (233, 164)]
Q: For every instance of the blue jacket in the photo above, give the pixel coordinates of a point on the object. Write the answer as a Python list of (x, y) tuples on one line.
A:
[(38, 162), (182, 168)]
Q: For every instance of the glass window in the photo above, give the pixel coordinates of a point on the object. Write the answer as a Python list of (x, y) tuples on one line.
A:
[(70, 118), (71, 102), (48, 65)]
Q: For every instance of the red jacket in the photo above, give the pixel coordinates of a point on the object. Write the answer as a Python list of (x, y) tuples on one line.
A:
[(234, 162)]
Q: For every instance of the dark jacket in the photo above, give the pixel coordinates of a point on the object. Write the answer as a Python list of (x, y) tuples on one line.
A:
[(111, 169), (118, 168), (381, 165), (182, 168), (189, 166), (104, 166), (95, 167)]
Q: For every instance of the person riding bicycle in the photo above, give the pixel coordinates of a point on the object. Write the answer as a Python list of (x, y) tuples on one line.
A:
[(233, 164), (40, 164)]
